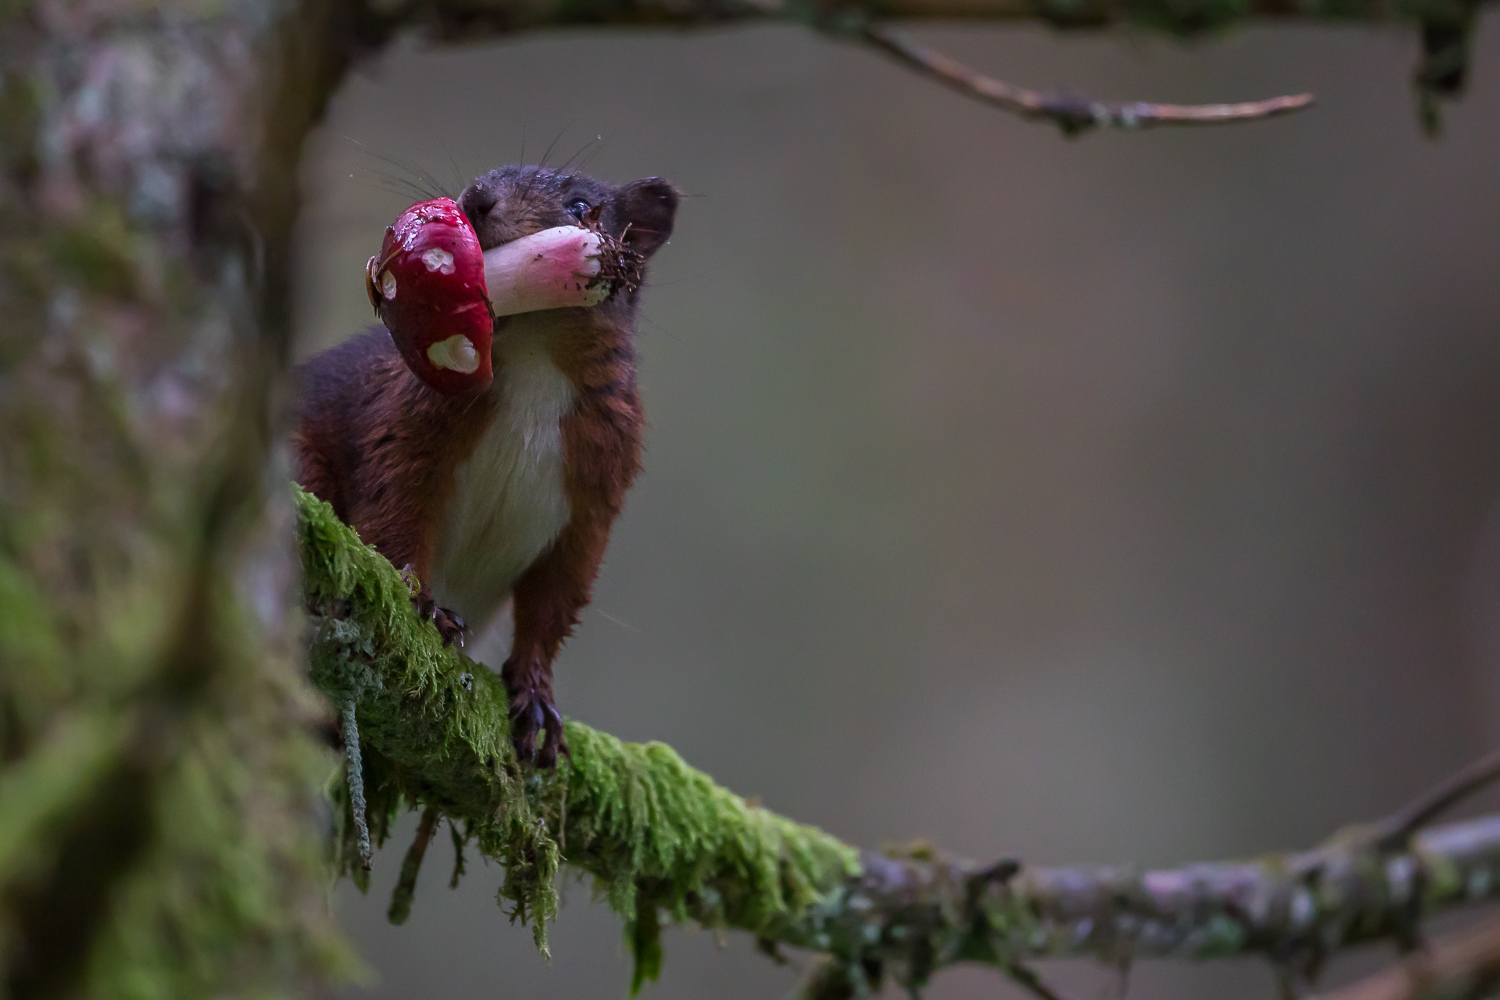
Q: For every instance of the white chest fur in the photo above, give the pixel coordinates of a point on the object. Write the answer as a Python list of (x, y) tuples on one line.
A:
[(509, 500)]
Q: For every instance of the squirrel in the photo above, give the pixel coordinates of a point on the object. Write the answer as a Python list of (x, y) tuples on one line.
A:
[(509, 492)]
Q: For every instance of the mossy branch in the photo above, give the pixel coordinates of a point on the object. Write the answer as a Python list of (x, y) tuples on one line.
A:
[(657, 834), (663, 841)]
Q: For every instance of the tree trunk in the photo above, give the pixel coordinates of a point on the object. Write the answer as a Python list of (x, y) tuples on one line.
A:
[(159, 783)]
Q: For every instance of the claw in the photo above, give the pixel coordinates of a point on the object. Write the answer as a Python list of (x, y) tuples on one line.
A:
[(553, 742), (449, 626), (523, 729), (532, 714)]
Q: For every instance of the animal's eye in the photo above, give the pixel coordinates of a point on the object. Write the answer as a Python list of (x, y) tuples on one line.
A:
[(579, 208)]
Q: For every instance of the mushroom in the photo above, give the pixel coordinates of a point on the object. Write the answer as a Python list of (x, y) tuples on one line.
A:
[(439, 294), (558, 267), (427, 286)]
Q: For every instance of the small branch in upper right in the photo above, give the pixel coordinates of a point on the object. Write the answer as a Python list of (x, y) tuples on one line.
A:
[(1397, 829), (1071, 113)]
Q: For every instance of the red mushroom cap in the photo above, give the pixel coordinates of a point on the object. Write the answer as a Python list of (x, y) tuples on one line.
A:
[(427, 286)]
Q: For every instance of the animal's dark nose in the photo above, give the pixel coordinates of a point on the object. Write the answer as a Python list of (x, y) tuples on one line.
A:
[(476, 200)]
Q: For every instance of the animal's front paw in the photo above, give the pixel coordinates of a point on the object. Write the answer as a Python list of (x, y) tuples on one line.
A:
[(449, 625), (532, 713)]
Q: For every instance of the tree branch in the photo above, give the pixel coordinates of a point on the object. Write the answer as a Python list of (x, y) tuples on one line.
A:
[(662, 840), (1445, 27), (1397, 829), (454, 20), (1070, 112)]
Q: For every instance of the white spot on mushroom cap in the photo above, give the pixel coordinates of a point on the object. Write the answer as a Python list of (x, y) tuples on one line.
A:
[(388, 285), (456, 353), (438, 259)]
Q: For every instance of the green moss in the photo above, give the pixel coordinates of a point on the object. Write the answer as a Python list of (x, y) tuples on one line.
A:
[(103, 255), (434, 729), (658, 836), (221, 857), (208, 909), (644, 821)]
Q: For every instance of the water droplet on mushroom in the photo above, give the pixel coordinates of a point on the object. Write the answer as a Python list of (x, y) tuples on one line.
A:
[(438, 259), (388, 285)]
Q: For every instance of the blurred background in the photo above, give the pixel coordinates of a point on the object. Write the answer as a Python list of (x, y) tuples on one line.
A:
[(1127, 499)]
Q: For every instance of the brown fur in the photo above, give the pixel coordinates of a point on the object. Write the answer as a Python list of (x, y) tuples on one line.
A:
[(382, 447), (382, 451)]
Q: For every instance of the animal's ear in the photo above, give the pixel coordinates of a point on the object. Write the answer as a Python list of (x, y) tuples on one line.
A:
[(646, 210)]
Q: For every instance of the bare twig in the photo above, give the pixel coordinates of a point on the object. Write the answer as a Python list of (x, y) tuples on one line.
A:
[(458, 854), (1071, 113), (406, 885), (1396, 830)]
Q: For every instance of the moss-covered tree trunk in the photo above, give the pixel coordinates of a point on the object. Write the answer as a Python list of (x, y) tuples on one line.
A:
[(158, 780)]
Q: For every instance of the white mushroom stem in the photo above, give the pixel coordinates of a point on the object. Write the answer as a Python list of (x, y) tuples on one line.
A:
[(546, 270)]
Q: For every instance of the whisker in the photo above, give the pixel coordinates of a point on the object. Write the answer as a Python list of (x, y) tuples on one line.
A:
[(625, 625), (458, 178), (583, 149), (553, 145), (474, 157), (396, 185), (598, 145), (642, 320), (530, 180), (536, 174), (429, 188)]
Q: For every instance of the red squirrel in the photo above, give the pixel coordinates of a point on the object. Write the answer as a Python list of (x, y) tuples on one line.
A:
[(509, 492)]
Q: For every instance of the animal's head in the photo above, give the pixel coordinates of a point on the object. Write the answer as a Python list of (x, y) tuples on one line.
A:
[(510, 202)]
